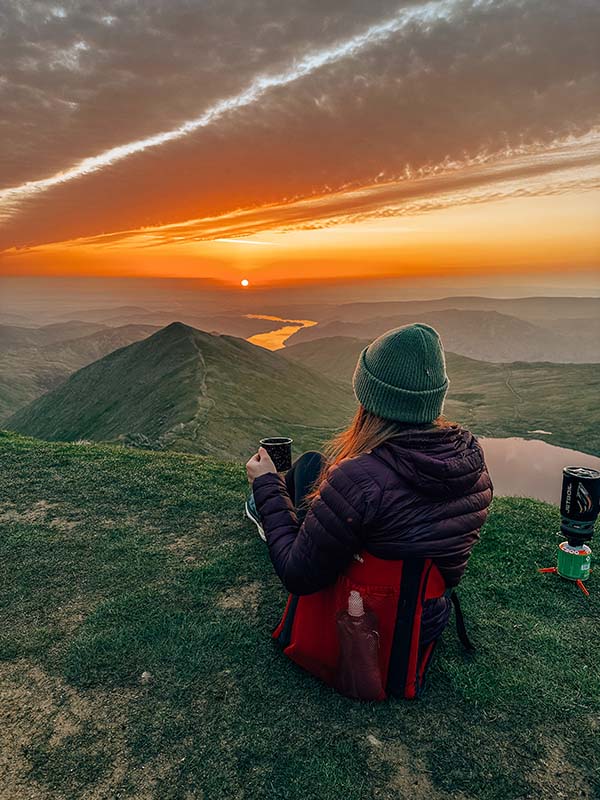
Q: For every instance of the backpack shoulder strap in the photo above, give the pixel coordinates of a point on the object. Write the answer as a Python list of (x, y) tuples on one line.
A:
[(403, 669), (461, 629)]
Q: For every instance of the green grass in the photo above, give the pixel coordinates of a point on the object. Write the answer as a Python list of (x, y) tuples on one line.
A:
[(116, 562)]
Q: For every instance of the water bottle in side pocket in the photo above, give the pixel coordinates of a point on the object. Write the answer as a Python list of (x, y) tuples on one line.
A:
[(358, 673)]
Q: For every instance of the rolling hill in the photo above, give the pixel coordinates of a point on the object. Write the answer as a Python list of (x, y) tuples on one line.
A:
[(234, 323), (334, 356), (530, 309), (36, 360), (506, 399), (12, 336), (189, 390), (483, 335)]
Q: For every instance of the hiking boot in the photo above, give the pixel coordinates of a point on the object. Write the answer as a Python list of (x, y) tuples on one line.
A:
[(252, 514)]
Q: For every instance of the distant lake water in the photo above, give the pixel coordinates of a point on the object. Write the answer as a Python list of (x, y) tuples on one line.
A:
[(275, 339), (530, 467)]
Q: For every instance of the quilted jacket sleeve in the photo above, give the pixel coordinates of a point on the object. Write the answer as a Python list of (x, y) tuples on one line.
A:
[(310, 556)]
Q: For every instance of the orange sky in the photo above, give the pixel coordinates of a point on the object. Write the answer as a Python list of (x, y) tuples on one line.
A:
[(498, 237), (283, 143)]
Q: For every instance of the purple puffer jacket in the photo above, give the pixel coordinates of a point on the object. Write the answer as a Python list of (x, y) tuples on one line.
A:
[(424, 494)]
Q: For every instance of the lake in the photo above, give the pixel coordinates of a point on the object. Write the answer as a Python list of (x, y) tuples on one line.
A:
[(530, 467)]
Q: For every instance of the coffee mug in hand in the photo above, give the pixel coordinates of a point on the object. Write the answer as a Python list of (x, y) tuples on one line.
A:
[(280, 450)]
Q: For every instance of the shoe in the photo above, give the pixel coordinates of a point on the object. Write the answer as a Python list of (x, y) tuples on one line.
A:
[(252, 514)]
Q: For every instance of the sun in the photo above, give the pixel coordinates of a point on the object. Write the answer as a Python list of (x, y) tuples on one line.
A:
[(245, 282)]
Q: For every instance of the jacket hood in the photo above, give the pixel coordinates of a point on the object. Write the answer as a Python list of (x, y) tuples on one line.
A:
[(441, 463)]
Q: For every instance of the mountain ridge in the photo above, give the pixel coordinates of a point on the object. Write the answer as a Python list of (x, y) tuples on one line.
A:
[(190, 390), (482, 335)]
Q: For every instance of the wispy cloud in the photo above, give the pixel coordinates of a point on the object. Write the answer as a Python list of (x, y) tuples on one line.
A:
[(572, 164), (421, 14)]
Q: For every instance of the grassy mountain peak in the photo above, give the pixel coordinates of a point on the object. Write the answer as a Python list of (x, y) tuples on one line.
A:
[(186, 389), (136, 658)]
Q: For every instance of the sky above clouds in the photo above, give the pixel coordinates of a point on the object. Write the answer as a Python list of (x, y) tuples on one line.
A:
[(142, 137)]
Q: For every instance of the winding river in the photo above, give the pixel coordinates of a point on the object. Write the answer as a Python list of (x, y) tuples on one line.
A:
[(275, 339)]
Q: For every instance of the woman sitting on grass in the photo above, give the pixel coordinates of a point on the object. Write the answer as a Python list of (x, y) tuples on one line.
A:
[(400, 483)]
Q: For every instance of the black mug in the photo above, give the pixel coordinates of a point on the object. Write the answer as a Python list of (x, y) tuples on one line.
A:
[(280, 450), (579, 503)]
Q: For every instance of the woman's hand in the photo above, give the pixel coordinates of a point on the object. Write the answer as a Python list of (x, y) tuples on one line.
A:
[(259, 464)]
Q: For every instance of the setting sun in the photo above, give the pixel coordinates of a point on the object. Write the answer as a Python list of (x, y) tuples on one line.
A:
[(245, 282)]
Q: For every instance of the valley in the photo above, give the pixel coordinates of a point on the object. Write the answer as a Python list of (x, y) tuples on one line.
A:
[(189, 390), (208, 391)]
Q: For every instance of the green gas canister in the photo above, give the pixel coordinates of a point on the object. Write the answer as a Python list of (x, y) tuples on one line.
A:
[(573, 561)]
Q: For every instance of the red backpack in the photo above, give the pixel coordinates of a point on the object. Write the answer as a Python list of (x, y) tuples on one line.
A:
[(395, 591)]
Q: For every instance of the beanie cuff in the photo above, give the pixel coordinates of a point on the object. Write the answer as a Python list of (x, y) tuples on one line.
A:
[(393, 402)]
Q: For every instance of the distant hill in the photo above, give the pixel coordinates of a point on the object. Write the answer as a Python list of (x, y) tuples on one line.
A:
[(334, 356), (574, 326), (8, 318), (506, 399), (36, 360), (111, 312), (232, 323), (17, 336), (529, 309), (483, 335), (189, 390)]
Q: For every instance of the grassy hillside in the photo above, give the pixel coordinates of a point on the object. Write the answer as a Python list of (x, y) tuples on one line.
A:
[(192, 391), (494, 399), (118, 562), (483, 335), (35, 360)]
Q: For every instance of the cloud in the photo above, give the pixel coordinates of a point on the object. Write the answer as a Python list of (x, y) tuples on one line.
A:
[(145, 67), (568, 165), (356, 94), (252, 94)]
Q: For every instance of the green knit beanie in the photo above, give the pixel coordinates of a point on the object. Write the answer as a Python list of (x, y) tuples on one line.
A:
[(402, 375)]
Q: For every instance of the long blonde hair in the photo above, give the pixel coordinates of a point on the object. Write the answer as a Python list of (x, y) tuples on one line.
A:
[(365, 432)]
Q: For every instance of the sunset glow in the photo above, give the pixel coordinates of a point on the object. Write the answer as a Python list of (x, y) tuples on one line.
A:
[(364, 149)]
